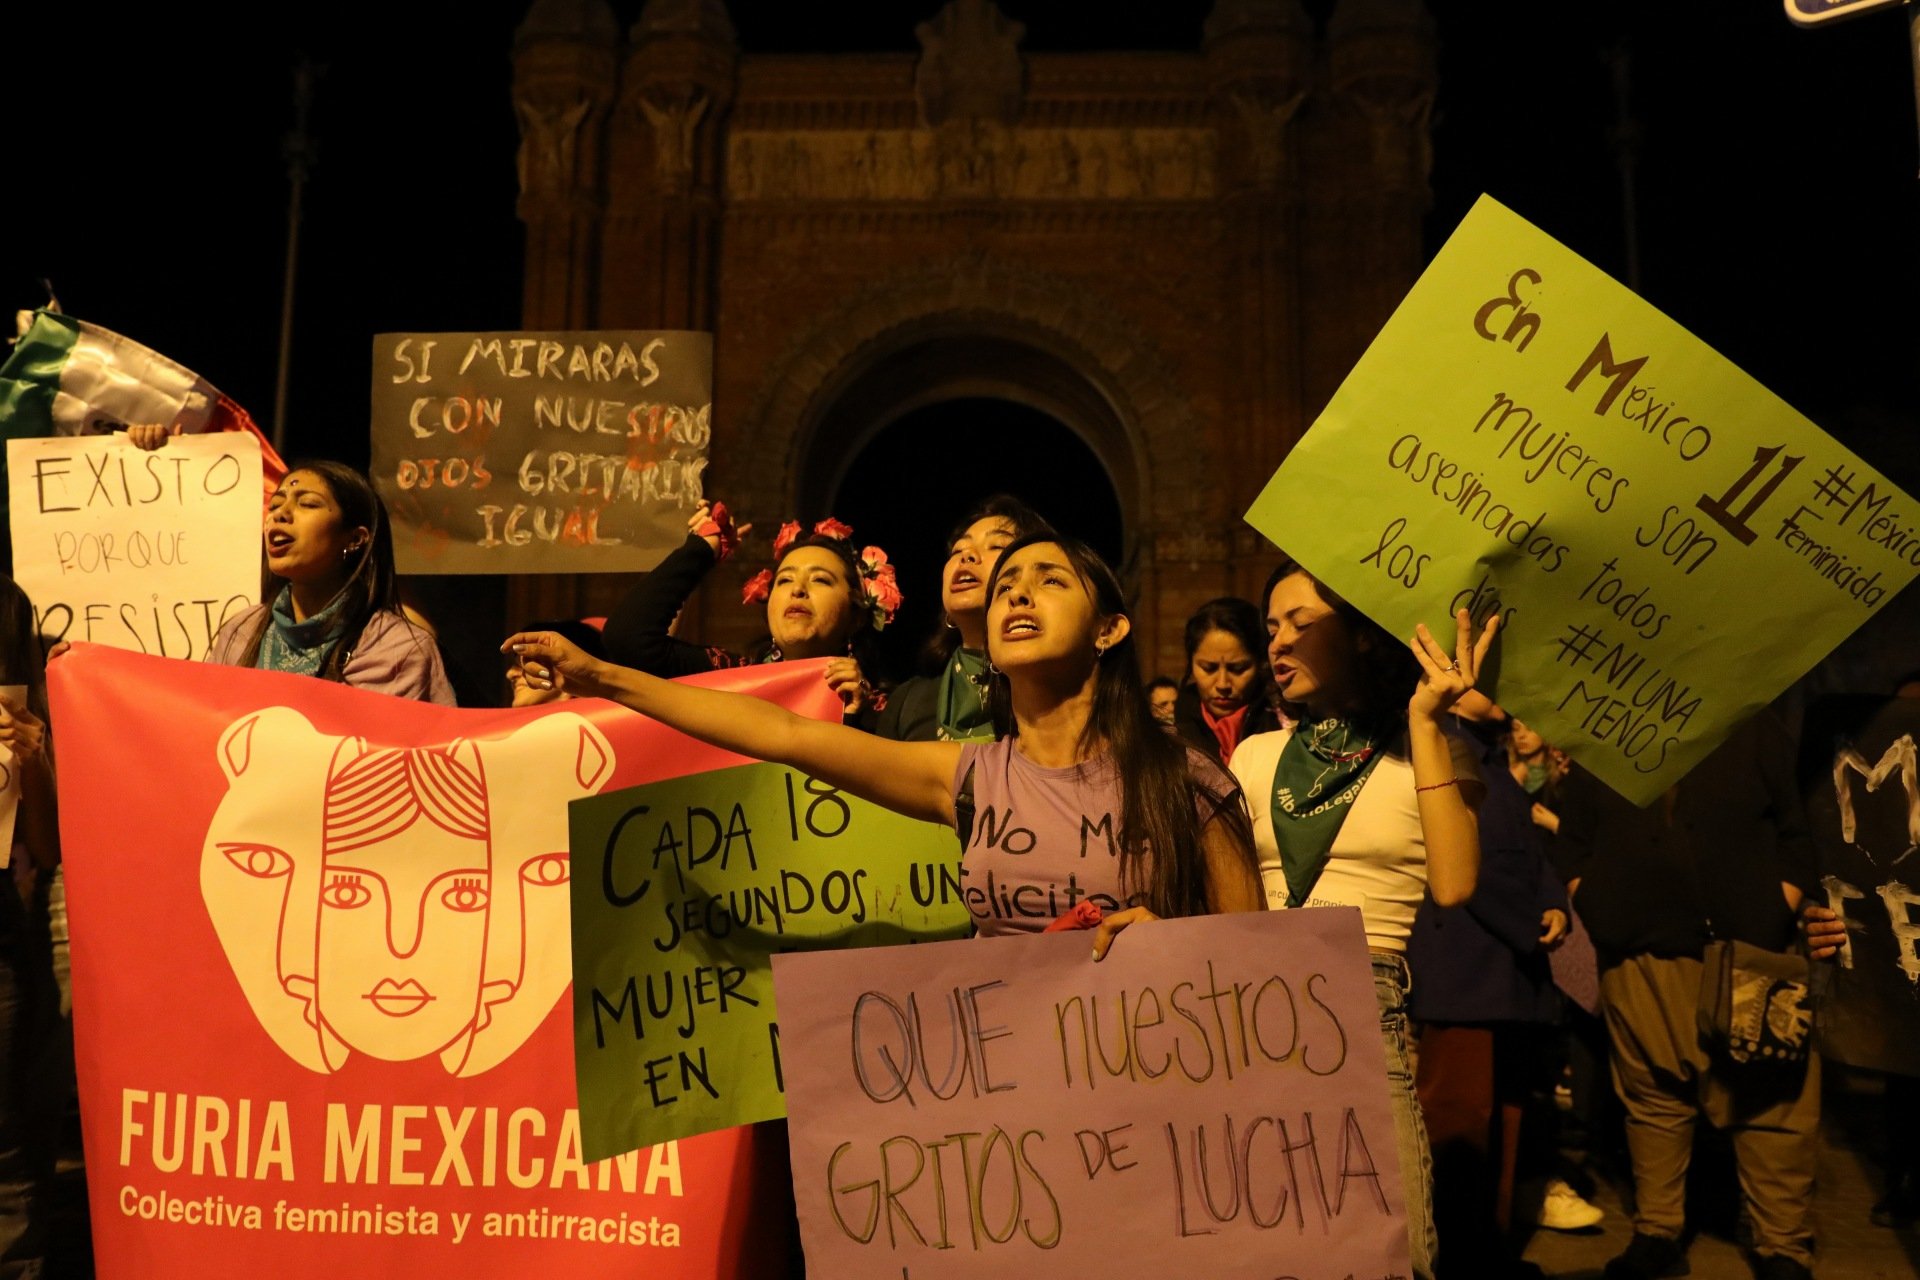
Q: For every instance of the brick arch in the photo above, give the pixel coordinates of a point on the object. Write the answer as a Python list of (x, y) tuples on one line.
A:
[(1130, 409)]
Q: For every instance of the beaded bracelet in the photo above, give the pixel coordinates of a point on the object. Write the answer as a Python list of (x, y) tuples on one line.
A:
[(1450, 782)]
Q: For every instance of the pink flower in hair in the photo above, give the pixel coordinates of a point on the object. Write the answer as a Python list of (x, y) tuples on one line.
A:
[(757, 588), (831, 528), (788, 535), (873, 558), (883, 595)]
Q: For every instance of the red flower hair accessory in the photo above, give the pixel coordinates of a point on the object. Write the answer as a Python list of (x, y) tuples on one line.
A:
[(882, 588), (788, 535), (879, 586)]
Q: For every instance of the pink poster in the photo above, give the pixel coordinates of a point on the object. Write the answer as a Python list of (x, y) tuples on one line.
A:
[(1209, 1100), (322, 984)]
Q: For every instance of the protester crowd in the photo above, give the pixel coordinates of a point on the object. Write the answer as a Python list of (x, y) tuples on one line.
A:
[(1524, 922)]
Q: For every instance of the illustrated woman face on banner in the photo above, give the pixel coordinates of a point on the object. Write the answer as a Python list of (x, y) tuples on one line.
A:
[(382, 900), (404, 896)]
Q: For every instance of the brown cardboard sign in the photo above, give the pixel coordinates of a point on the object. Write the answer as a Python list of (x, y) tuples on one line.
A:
[(562, 452)]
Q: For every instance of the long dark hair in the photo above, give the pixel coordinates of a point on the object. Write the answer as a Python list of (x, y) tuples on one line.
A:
[(1023, 520), (22, 657), (372, 584), (1162, 863), (1242, 621), (862, 643), (1389, 673)]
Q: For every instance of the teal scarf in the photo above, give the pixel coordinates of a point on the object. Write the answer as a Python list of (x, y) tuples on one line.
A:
[(300, 648), (1321, 771), (963, 713)]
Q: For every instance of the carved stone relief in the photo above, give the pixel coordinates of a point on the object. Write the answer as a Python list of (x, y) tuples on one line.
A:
[(674, 120), (973, 159), (549, 142)]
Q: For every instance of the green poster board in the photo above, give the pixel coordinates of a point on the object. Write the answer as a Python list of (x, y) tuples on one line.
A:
[(1667, 543), (683, 891)]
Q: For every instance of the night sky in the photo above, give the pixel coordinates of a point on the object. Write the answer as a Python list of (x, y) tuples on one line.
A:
[(1778, 208)]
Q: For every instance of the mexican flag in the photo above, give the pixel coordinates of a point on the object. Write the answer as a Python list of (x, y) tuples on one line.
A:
[(67, 377)]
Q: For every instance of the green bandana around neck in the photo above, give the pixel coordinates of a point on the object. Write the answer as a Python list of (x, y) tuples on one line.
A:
[(964, 716), (1321, 770)]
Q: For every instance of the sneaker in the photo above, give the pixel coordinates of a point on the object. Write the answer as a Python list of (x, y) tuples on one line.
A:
[(1648, 1258), (1774, 1266), (1564, 1210)]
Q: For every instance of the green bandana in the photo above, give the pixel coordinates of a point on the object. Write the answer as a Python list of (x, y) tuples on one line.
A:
[(963, 699), (1321, 771)]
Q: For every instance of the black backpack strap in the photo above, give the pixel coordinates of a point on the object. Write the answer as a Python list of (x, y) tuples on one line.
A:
[(963, 808)]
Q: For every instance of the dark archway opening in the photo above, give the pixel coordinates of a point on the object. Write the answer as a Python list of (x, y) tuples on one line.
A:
[(921, 473)]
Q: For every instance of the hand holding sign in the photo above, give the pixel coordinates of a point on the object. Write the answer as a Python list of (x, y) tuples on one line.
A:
[(141, 548), (1215, 1104), (22, 733)]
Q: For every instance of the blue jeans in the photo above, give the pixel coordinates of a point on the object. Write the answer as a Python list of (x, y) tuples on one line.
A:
[(1391, 982)]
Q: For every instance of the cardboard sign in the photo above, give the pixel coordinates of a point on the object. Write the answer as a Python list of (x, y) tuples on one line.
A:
[(320, 977), (695, 884), (1861, 772), (1209, 1100), (540, 452), (1667, 543), (148, 550)]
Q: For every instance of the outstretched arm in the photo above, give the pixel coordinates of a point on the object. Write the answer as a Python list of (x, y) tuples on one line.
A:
[(913, 778)]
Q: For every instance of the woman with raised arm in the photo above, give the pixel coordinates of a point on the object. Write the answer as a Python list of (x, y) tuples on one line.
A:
[(948, 701), (1367, 802), (1079, 754), (329, 596), (823, 598)]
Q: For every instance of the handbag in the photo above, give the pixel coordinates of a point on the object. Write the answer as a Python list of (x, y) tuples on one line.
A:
[(1755, 1005)]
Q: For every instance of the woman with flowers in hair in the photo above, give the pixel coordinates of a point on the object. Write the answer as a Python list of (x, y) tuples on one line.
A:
[(824, 599)]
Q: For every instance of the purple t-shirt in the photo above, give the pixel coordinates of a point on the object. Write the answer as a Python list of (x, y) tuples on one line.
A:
[(1045, 840)]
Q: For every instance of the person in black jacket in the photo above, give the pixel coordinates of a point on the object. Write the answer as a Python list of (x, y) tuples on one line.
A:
[(1724, 854)]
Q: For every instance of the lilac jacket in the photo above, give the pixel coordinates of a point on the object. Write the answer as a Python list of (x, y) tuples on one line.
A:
[(393, 656)]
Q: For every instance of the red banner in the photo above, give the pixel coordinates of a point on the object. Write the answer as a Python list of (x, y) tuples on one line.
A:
[(321, 984)]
